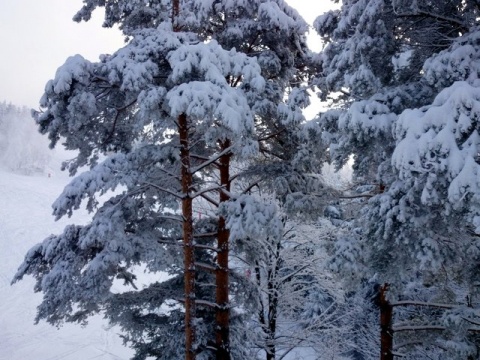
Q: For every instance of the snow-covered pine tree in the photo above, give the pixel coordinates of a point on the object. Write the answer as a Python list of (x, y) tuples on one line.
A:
[(254, 27), (126, 115), (403, 78), (148, 157)]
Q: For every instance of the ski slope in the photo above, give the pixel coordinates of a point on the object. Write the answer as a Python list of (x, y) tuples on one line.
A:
[(25, 219)]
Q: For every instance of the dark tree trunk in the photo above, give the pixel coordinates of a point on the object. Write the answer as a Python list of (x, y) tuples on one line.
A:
[(273, 289), (188, 246), (222, 313), (175, 12), (268, 320), (386, 332), (272, 317)]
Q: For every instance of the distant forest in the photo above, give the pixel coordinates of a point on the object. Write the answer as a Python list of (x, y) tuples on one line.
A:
[(22, 148)]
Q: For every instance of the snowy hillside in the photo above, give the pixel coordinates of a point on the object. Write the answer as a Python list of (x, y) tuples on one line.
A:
[(25, 219)]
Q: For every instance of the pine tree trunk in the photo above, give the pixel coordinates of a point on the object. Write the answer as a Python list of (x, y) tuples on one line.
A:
[(175, 12), (222, 312), (266, 325), (272, 290), (188, 246), (187, 213), (386, 335), (272, 317)]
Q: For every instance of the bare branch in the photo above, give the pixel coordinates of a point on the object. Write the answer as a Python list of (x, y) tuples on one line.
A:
[(168, 191), (422, 303), (206, 303), (418, 328), (210, 200), (205, 247), (205, 266), (174, 218), (423, 13), (175, 176), (211, 160), (200, 192), (473, 322)]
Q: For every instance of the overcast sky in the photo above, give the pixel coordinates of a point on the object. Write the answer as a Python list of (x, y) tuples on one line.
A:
[(37, 36)]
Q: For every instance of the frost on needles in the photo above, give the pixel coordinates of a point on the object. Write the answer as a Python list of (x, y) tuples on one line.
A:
[(402, 80), (193, 91)]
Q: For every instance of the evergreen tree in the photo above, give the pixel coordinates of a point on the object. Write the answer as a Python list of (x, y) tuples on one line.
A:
[(159, 122), (403, 77)]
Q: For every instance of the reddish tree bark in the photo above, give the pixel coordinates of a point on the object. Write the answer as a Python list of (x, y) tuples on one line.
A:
[(222, 312), (187, 213), (175, 12), (188, 246)]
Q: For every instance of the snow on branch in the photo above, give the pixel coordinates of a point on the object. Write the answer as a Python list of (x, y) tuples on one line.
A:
[(422, 303)]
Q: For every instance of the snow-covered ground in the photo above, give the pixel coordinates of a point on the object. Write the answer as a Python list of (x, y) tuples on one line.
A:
[(25, 219)]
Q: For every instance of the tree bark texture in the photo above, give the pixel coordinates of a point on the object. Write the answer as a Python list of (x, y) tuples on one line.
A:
[(175, 12), (273, 289), (187, 213), (386, 332), (272, 317), (188, 245), (222, 336)]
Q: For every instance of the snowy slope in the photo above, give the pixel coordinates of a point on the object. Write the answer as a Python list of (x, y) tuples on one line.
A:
[(25, 219)]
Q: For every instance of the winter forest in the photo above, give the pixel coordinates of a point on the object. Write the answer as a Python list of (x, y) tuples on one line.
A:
[(223, 223)]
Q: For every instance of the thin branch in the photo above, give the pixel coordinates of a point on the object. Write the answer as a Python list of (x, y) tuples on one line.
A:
[(212, 160), (210, 200), (206, 303), (357, 196), (422, 303), (174, 218), (407, 343), (199, 157), (239, 78), (418, 328), (264, 151), (195, 236), (226, 192), (471, 321), (205, 266), (168, 191), (271, 135), (200, 192), (169, 242), (114, 125), (167, 217), (448, 19), (175, 176), (427, 328), (250, 187), (204, 235), (205, 247), (293, 273)]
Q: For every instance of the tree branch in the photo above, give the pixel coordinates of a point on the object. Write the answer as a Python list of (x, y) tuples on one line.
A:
[(422, 303), (210, 161), (428, 14), (168, 191)]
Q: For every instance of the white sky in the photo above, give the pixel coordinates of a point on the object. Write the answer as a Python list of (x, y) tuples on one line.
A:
[(37, 36)]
